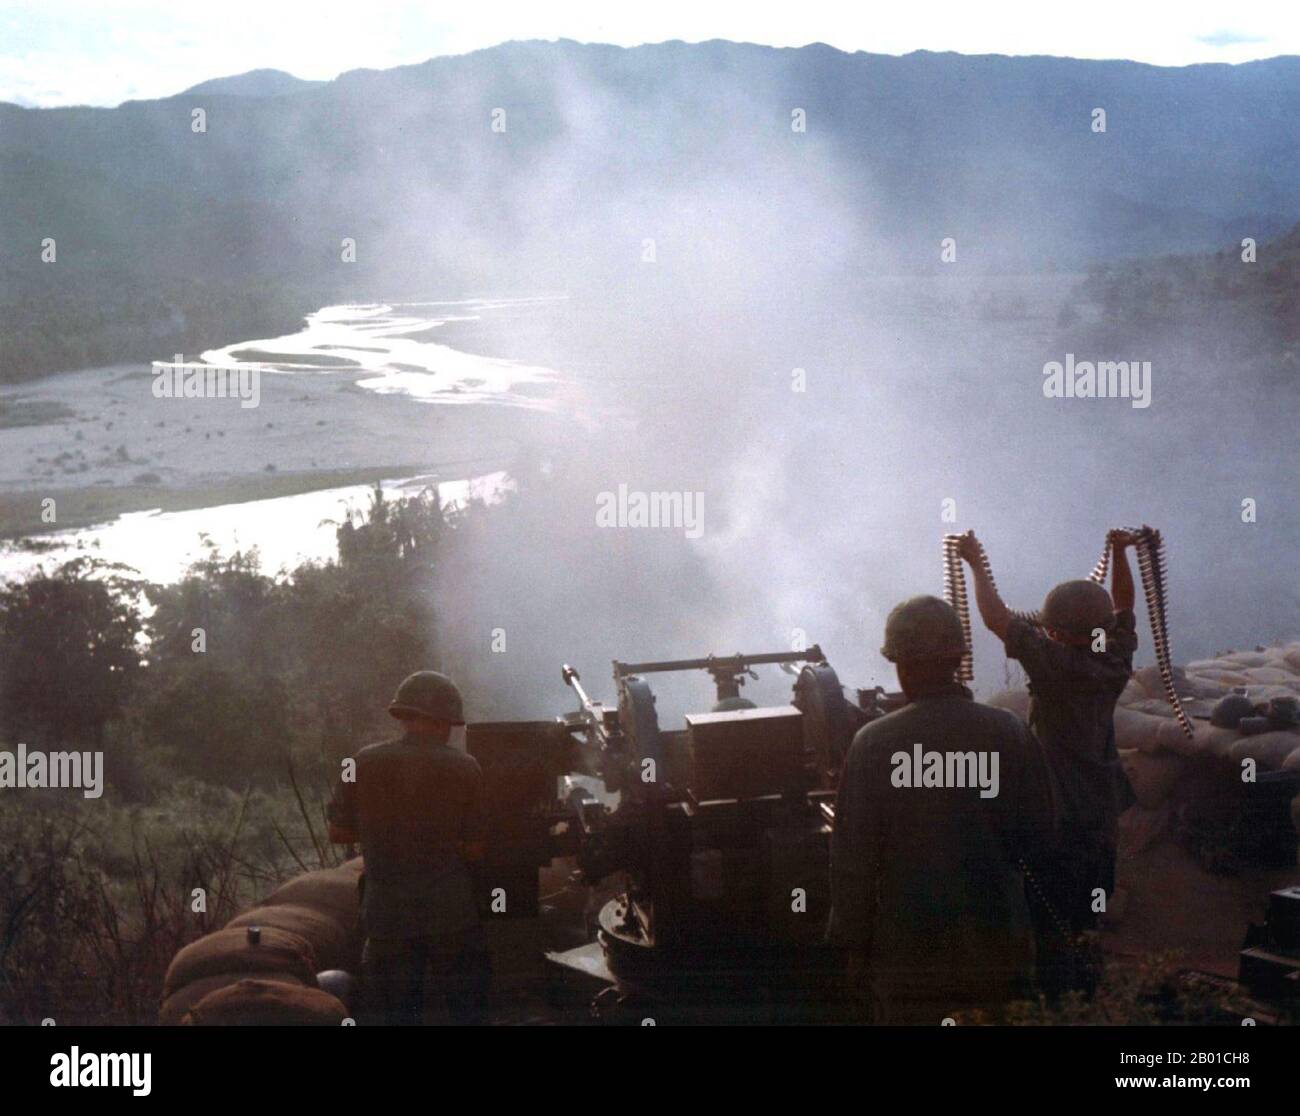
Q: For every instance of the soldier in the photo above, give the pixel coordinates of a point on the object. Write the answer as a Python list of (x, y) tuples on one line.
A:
[(415, 808), (928, 899), (1078, 664)]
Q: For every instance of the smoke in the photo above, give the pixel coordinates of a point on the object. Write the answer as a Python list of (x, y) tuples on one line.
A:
[(760, 315)]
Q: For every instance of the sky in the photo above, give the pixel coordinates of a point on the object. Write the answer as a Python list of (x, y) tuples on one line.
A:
[(103, 52)]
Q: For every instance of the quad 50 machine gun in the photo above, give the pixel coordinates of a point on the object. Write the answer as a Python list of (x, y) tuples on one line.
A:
[(721, 832)]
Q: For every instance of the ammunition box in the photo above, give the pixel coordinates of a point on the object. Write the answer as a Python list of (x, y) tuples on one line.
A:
[(1284, 917), (746, 753)]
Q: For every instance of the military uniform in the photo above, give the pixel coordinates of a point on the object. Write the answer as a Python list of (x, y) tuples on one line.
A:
[(925, 879), (1073, 691), (415, 805)]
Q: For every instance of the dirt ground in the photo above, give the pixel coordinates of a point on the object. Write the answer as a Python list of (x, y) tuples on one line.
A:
[(102, 444), (1166, 901)]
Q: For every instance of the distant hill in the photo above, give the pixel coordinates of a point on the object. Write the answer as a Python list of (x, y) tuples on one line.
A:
[(254, 83), (551, 166), (1226, 304)]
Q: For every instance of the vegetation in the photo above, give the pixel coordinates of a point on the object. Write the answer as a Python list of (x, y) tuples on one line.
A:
[(89, 322), (1218, 305), (97, 896), (1145, 991), (222, 703)]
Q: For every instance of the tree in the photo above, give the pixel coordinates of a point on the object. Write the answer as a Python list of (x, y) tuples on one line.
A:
[(68, 652)]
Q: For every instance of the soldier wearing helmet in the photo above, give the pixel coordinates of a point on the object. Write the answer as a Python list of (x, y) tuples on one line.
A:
[(414, 805), (927, 898), (1078, 659)]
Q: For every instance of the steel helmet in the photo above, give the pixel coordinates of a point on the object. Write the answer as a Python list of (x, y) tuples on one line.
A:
[(426, 693), (338, 983), (923, 628), (1229, 711), (1077, 608)]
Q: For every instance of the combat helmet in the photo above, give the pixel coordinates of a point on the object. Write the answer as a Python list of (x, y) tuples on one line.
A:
[(921, 629), (1076, 608), (426, 693)]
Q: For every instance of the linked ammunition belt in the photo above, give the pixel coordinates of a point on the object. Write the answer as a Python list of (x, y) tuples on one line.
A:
[(954, 592), (1149, 548), (954, 578)]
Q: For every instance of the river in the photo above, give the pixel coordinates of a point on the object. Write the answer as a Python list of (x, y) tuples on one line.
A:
[(397, 349)]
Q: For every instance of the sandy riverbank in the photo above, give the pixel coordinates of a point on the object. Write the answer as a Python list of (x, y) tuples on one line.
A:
[(101, 444)]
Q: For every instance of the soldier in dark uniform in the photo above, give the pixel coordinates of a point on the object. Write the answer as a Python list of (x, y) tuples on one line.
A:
[(928, 898), (1078, 664), (415, 807)]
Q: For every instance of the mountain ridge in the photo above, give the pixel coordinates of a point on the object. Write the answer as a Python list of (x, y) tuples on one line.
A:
[(535, 165), (262, 82)]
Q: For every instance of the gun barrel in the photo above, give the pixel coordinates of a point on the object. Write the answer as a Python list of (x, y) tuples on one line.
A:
[(572, 678), (724, 662)]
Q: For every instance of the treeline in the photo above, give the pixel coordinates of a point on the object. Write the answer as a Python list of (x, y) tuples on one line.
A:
[(228, 675), (91, 322), (222, 704), (1247, 309)]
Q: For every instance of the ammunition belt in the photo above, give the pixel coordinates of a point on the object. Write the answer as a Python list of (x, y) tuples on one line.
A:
[(954, 577), (1150, 551), (954, 592)]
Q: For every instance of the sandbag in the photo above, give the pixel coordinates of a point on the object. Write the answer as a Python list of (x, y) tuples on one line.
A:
[(335, 945), (175, 1006), (1262, 694), (1268, 749), (257, 1002), (1153, 776), (1136, 729), (1270, 675), (1217, 679), (1198, 665), (1148, 678), (1245, 659), (1171, 738), (1216, 740), (229, 951), (1277, 656), (1291, 656), (331, 890), (1208, 689), (1151, 707)]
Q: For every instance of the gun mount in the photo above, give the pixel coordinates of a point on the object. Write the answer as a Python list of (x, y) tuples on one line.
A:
[(626, 746), (722, 828)]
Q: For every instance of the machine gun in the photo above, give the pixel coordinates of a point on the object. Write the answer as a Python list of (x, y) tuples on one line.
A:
[(626, 747), (722, 827)]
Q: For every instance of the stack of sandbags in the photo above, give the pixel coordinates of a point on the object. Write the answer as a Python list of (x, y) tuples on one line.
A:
[(253, 1002), (228, 956), (305, 926), (1144, 719), (1157, 754), (334, 944), (332, 891)]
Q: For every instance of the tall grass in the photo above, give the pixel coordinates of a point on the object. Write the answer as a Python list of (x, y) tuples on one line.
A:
[(96, 898)]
